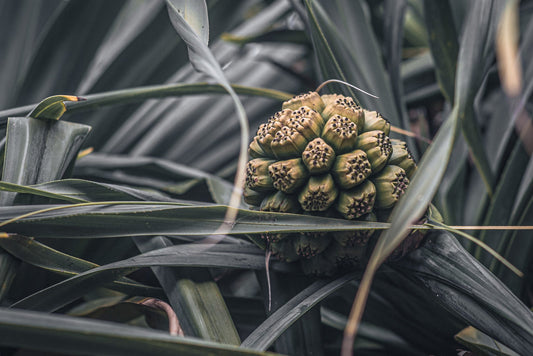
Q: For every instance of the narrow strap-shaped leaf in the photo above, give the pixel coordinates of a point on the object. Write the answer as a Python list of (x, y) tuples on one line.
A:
[(8, 270), (394, 16), (198, 303), (78, 336), (134, 95), (501, 205), (80, 191), (443, 43), (279, 321), (432, 167), (341, 32), (207, 310), (155, 173), (114, 219), (473, 55), (39, 151), (194, 255), (470, 291), (23, 189), (203, 61), (519, 247), (305, 335), (420, 191), (284, 36), (327, 60), (42, 256), (168, 279), (36, 151)]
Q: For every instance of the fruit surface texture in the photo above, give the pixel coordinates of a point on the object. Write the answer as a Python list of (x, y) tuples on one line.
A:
[(326, 156)]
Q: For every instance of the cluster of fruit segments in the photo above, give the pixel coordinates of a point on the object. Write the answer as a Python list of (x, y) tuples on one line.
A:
[(325, 155)]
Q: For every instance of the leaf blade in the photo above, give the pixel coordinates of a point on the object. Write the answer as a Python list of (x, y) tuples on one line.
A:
[(42, 331)]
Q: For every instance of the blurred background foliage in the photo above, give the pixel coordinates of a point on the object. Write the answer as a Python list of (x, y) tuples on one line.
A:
[(170, 149)]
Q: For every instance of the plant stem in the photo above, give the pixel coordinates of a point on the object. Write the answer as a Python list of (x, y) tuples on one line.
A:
[(132, 95)]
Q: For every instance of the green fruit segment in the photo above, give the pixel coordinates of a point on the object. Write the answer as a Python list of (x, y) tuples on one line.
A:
[(288, 142), (289, 175), (311, 100), (308, 245), (284, 248), (265, 135), (374, 121), (377, 146), (306, 121), (345, 258), (390, 184), (345, 107), (351, 169), (255, 150), (257, 177), (280, 202), (401, 157), (357, 201), (318, 194), (340, 133), (253, 197), (318, 156)]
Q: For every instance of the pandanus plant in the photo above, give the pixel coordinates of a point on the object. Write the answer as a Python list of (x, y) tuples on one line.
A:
[(119, 240)]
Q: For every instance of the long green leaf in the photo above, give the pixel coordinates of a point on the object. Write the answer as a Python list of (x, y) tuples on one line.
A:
[(164, 175), (198, 314), (114, 219), (46, 332), (37, 254), (520, 247), (203, 61), (443, 43), (501, 204), (8, 271), (347, 49), (305, 335), (207, 311), (432, 167), (420, 192), (36, 151), (194, 255), (473, 55), (134, 95), (394, 18), (284, 36), (64, 49), (470, 291), (39, 151), (27, 19), (279, 321), (81, 191)]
